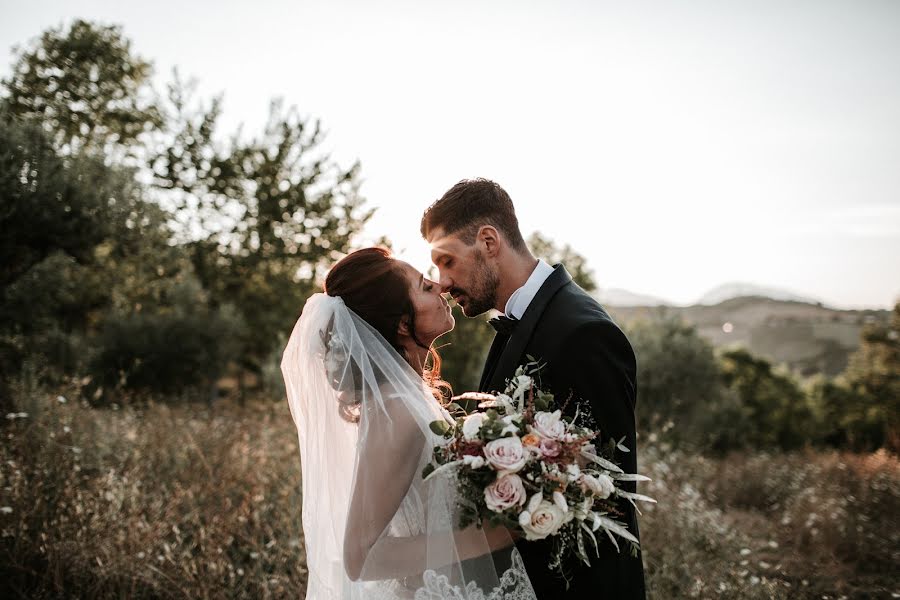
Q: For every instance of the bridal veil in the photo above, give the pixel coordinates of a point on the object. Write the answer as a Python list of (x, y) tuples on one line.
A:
[(373, 527)]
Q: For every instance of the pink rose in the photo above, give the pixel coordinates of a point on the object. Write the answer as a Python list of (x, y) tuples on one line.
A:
[(505, 492), (506, 454), (549, 448)]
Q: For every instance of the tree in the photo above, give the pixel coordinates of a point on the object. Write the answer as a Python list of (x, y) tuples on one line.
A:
[(261, 218), (464, 351), (230, 241), (49, 204), (678, 379), (575, 264), (85, 87), (53, 213), (773, 412), (861, 408)]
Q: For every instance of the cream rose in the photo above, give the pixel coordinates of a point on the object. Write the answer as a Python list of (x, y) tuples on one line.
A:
[(505, 492), (506, 454), (472, 424), (544, 520), (549, 425)]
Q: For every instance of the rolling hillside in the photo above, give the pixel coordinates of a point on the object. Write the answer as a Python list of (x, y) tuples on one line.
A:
[(808, 338)]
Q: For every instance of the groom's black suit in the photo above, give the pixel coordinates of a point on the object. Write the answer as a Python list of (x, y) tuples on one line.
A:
[(589, 357)]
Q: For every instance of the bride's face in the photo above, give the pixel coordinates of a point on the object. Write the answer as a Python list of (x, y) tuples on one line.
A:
[(433, 314)]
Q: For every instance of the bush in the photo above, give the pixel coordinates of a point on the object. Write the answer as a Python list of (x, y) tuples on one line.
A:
[(678, 380), (167, 350)]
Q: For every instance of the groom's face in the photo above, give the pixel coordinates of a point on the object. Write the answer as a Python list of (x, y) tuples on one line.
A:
[(465, 272)]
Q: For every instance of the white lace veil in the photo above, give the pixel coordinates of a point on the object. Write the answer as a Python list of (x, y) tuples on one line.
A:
[(373, 528)]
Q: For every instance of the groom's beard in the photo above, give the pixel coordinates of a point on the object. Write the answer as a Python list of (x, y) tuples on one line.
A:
[(482, 293)]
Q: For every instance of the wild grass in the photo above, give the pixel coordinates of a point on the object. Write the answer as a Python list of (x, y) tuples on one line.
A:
[(204, 502)]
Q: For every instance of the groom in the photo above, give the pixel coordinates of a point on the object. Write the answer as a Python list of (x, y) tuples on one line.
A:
[(484, 264)]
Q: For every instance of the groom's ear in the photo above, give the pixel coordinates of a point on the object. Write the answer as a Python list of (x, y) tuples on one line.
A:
[(489, 239)]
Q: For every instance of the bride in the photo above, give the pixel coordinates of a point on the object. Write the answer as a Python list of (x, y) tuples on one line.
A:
[(362, 400)]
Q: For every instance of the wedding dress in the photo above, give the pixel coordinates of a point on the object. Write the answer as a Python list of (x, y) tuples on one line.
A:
[(373, 528)]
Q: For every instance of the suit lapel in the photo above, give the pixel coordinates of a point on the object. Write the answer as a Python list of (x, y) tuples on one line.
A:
[(490, 362), (511, 353)]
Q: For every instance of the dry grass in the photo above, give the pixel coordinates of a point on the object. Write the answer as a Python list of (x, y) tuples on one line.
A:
[(186, 502), (801, 525), (162, 503)]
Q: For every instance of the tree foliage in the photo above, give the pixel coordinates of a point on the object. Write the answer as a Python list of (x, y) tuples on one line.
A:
[(85, 87), (678, 377), (576, 265), (861, 409), (260, 218), (219, 252)]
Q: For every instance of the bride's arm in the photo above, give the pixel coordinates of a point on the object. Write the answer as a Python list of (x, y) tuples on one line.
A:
[(406, 556), (388, 457), (388, 461)]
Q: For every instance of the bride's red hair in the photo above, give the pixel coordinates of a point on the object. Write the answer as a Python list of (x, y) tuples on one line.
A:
[(374, 285)]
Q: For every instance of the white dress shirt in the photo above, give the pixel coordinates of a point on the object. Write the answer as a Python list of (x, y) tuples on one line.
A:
[(521, 298)]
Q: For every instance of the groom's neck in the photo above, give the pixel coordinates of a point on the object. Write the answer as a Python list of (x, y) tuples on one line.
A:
[(515, 269)]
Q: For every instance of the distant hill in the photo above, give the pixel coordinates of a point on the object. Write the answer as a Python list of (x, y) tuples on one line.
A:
[(727, 291), (808, 337), (620, 297)]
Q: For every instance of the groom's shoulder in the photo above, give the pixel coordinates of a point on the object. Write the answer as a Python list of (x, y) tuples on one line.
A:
[(573, 315), (573, 307)]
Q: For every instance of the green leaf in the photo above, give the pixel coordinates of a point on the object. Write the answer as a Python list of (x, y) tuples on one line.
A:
[(439, 427)]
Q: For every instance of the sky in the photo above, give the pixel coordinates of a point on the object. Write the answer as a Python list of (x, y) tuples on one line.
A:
[(676, 145)]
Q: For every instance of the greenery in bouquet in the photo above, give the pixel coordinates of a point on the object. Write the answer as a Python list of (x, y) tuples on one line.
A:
[(520, 463)]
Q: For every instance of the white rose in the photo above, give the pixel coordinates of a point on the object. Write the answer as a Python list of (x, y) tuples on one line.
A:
[(474, 462), (506, 454), (549, 425), (472, 424), (544, 520), (601, 485), (505, 492)]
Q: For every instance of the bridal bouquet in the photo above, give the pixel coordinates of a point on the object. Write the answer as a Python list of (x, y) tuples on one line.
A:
[(522, 465)]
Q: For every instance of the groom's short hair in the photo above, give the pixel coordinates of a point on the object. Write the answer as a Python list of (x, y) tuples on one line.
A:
[(469, 205)]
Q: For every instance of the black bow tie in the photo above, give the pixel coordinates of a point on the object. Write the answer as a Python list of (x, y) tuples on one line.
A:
[(504, 324)]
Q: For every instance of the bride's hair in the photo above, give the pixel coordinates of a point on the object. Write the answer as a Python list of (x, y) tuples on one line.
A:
[(373, 284)]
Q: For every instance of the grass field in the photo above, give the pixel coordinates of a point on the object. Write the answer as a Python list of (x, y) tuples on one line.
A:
[(192, 502)]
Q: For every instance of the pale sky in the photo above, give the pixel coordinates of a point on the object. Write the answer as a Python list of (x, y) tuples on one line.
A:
[(676, 145)]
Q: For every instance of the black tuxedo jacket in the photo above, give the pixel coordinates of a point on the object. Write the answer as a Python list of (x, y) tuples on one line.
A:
[(588, 357)]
